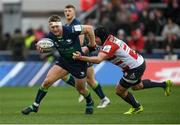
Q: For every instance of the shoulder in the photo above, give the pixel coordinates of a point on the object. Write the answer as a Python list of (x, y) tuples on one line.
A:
[(67, 29), (111, 44), (50, 35), (72, 29), (112, 40), (76, 21)]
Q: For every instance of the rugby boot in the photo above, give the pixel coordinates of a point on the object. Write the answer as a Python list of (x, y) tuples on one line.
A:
[(134, 110), (29, 109), (89, 108), (167, 89), (104, 103)]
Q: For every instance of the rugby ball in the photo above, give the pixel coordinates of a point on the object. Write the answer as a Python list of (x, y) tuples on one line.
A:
[(45, 43)]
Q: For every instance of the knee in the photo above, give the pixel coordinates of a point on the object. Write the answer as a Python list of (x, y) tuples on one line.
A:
[(119, 92), (81, 90), (65, 78), (137, 87), (47, 83), (91, 82)]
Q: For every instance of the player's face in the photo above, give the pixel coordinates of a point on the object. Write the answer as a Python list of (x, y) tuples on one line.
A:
[(98, 41), (69, 13), (56, 28)]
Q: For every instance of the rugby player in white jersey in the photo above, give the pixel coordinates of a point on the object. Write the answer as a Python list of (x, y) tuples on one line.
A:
[(132, 64)]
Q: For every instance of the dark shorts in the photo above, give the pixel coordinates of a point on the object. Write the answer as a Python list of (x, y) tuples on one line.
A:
[(133, 76), (78, 69)]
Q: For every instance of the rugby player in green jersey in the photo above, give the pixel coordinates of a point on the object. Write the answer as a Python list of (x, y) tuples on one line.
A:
[(66, 41), (71, 20)]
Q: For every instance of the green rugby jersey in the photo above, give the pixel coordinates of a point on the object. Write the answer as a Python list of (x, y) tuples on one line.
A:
[(68, 42)]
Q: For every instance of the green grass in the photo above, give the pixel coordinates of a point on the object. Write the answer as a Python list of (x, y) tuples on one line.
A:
[(61, 106)]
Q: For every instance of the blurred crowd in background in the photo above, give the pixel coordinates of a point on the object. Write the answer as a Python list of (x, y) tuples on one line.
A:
[(144, 25)]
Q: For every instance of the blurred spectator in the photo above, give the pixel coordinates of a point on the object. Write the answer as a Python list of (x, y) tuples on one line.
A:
[(39, 33), (18, 46), (134, 21), (173, 10), (30, 39), (169, 46), (123, 19), (141, 5), (172, 30), (152, 24), (87, 4), (161, 21), (131, 6), (144, 21), (121, 35), (5, 42), (137, 40), (150, 43)]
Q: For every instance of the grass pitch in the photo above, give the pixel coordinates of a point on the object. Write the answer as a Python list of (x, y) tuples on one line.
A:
[(61, 106)]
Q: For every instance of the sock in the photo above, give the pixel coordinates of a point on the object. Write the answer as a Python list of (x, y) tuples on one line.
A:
[(131, 100), (150, 84), (98, 91), (70, 80), (88, 97), (40, 95)]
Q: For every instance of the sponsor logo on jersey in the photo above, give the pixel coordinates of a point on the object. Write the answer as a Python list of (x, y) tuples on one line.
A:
[(107, 48), (77, 27)]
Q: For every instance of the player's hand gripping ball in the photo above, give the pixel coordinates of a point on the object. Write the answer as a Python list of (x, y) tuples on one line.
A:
[(45, 45)]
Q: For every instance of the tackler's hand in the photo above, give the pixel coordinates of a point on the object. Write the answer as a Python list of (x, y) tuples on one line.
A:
[(76, 55)]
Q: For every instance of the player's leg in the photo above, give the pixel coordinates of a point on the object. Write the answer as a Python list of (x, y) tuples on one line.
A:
[(145, 84), (79, 71), (69, 80), (131, 78), (122, 91), (97, 88), (80, 85), (55, 73)]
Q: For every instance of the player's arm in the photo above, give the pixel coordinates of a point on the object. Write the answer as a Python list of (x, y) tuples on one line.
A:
[(89, 32), (81, 39), (94, 59)]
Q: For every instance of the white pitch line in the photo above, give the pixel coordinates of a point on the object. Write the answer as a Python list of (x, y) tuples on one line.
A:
[(12, 73), (39, 74)]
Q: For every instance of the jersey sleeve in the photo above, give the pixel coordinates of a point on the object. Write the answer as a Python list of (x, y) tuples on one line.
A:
[(109, 47), (77, 29)]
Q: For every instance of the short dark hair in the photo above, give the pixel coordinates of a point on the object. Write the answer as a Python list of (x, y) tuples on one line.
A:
[(54, 18), (102, 33), (70, 6)]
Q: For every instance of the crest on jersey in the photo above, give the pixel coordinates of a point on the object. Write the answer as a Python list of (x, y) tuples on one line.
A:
[(69, 41), (107, 48)]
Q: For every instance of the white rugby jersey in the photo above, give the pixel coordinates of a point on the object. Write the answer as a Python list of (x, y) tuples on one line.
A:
[(121, 54)]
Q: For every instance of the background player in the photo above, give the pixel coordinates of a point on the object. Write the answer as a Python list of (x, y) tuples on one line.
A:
[(66, 41), (132, 64), (71, 20)]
